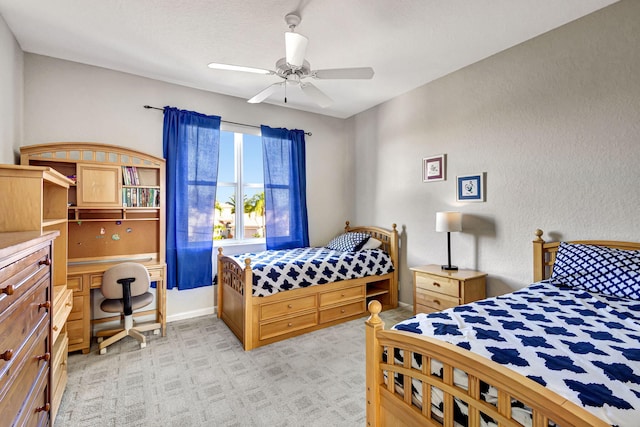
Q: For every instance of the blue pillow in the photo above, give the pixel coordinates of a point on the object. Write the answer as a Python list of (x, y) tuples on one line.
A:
[(348, 242), (607, 271)]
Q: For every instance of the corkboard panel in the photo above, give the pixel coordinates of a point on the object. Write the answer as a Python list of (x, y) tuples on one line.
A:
[(88, 239)]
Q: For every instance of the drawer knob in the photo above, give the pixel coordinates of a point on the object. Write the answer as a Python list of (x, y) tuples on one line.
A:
[(289, 306), (46, 261), (46, 357), (342, 311), (8, 290), (436, 284), (7, 355), (44, 408), (46, 305), (290, 324), (342, 295), (55, 328)]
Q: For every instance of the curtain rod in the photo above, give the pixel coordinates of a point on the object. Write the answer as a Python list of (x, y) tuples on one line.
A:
[(149, 107)]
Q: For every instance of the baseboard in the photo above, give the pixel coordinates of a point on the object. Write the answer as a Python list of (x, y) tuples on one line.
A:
[(191, 314), (405, 305)]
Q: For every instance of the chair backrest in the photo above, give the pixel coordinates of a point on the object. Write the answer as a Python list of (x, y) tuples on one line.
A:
[(110, 287)]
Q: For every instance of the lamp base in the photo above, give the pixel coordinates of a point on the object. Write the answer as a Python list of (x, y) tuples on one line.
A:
[(449, 267)]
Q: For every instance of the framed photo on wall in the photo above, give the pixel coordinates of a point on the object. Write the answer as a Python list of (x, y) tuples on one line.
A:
[(470, 188), (434, 168)]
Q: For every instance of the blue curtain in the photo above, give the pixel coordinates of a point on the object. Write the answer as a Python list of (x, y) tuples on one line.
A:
[(191, 145), (285, 188)]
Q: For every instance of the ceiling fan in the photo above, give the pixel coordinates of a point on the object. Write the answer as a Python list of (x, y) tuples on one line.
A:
[(294, 68)]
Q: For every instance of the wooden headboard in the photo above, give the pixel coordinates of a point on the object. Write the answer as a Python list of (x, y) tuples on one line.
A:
[(544, 253)]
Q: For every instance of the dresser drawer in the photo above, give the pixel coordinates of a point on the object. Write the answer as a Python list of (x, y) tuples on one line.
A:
[(442, 285), (281, 327), (59, 372), (342, 311), (17, 278), (36, 411), (435, 300), (21, 322), (283, 308), (61, 309), (341, 295), (27, 368)]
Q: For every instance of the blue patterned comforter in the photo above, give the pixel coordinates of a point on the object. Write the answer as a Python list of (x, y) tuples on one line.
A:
[(283, 270), (583, 346)]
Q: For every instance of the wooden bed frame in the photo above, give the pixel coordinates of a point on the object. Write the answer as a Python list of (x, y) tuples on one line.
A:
[(386, 407), (258, 321)]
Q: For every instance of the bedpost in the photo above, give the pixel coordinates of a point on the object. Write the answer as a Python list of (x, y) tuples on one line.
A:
[(247, 296), (538, 257), (346, 226), (373, 357), (393, 252), (219, 283)]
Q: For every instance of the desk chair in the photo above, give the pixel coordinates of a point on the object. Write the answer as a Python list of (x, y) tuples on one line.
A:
[(125, 287)]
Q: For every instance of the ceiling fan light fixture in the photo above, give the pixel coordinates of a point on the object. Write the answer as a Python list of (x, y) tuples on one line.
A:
[(229, 67), (295, 47)]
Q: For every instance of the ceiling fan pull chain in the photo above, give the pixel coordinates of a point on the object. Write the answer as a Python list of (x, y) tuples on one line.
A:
[(285, 91)]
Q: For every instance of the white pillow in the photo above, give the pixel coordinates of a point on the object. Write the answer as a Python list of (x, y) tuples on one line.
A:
[(372, 244)]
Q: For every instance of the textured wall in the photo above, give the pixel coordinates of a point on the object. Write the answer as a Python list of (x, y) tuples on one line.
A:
[(11, 98), (555, 124)]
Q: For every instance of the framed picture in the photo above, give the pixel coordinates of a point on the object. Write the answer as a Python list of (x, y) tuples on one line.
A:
[(434, 168), (470, 188)]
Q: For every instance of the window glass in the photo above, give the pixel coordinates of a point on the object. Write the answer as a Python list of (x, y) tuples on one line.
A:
[(239, 208)]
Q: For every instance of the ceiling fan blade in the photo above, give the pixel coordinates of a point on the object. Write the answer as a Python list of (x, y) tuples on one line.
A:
[(230, 67), (344, 73), (295, 47), (265, 93), (316, 95)]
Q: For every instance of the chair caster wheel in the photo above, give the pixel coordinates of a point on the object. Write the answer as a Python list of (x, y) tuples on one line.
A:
[(103, 350), (156, 332), (100, 339), (143, 344)]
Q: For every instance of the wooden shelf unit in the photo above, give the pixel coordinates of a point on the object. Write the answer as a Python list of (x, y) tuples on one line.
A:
[(35, 200), (104, 225)]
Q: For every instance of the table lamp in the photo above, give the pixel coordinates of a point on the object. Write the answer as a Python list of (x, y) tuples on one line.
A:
[(448, 221)]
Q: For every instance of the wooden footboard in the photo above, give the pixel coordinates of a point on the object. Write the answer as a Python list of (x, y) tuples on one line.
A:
[(233, 299), (388, 405)]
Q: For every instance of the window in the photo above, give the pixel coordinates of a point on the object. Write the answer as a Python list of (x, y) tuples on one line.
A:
[(240, 178)]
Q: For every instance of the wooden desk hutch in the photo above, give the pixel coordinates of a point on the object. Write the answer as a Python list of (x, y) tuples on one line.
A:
[(115, 213)]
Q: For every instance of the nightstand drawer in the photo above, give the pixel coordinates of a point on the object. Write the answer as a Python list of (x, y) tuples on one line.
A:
[(435, 289), (435, 300), (442, 285)]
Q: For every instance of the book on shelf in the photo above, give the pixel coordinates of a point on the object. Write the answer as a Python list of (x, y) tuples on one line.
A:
[(130, 175), (140, 197)]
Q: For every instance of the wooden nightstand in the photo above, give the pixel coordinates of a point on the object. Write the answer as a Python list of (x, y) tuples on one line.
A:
[(435, 289)]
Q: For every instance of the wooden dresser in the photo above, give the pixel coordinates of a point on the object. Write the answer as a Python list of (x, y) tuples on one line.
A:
[(35, 199), (25, 328), (435, 289)]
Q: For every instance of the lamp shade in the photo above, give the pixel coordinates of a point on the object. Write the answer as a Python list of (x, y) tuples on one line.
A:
[(448, 221)]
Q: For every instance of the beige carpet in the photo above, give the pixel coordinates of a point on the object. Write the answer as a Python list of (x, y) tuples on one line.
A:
[(198, 375)]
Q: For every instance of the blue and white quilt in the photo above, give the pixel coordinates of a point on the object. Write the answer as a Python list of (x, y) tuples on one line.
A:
[(283, 270), (583, 346)]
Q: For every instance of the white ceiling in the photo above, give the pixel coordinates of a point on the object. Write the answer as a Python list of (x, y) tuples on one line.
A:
[(407, 42)]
